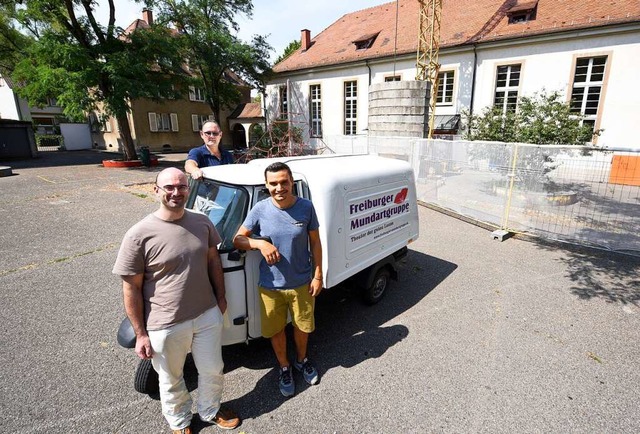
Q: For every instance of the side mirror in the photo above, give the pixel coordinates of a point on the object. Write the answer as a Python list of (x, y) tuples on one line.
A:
[(126, 335)]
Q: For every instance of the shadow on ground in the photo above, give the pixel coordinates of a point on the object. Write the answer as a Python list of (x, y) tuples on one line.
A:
[(78, 158), (347, 332), (611, 276)]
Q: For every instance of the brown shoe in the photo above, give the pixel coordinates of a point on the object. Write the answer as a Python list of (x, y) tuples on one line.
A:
[(186, 430), (226, 419)]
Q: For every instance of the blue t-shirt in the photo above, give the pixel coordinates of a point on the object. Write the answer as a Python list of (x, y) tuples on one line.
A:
[(289, 232), (205, 158)]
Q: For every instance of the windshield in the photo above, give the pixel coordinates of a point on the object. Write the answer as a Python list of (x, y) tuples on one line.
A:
[(225, 206)]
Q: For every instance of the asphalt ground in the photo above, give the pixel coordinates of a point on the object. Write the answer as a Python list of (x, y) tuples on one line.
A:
[(477, 335)]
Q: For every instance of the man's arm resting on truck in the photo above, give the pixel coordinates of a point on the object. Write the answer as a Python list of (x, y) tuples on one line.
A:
[(191, 167), (316, 253), (134, 307), (243, 241), (216, 276)]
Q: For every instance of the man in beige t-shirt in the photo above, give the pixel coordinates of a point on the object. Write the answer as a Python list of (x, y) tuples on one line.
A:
[(174, 296)]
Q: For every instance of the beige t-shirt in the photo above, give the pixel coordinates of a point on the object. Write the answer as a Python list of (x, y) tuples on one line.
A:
[(172, 255)]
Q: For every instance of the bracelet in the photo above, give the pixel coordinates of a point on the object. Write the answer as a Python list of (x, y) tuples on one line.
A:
[(320, 279)]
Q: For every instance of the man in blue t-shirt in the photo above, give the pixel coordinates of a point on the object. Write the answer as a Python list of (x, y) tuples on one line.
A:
[(209, 154), (290, 272)]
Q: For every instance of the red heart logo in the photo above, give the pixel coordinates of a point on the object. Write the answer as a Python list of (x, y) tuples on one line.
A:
[(400, 197)]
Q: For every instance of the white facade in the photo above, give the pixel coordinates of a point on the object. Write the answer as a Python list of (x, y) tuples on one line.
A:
[(547, 62), (11, 106)]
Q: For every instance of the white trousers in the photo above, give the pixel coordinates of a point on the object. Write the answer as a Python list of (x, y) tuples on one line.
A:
[(203, 337)]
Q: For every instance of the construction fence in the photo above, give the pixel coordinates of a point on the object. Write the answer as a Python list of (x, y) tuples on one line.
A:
[(587, 196)]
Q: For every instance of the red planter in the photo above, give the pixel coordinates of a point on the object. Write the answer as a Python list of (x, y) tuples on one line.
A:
[(130, 163)]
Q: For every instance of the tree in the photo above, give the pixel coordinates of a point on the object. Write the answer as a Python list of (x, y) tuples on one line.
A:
[(212, 49), (291, 48), (87, 66), (13, 44), (543, 119)]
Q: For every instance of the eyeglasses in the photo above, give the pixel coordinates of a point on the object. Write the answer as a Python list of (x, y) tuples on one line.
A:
[(211, 133), (172, 188)]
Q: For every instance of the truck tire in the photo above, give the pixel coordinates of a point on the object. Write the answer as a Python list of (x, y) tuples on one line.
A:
[(378, 287), (146, 379)]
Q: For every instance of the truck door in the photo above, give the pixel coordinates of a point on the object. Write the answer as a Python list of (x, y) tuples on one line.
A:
[(226, 206)]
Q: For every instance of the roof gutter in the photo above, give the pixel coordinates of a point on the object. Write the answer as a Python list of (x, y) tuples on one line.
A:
[(509, 41)]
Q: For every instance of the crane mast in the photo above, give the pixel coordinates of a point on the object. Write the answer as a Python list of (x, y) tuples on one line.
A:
[(428, 48)]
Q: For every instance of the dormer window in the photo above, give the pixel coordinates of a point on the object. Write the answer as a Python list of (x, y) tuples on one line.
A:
[(365, 41), (522, 12)]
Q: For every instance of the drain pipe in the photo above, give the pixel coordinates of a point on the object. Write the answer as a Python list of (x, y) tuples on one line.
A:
[(473, 78), (366, 62)]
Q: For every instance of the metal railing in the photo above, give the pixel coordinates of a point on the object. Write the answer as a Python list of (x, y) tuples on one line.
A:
[(587, 196)]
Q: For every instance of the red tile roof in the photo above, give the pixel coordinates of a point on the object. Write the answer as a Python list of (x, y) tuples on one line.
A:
[(463, 22), (247, 111)]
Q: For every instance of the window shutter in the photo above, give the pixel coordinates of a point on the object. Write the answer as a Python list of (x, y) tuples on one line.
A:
[(107, 125), (153, 124), (194, 123), (192, 93), (174, 122)]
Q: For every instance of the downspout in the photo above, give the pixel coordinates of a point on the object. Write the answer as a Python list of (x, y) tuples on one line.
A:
[(473, 78), (366, 62), (17, 102)]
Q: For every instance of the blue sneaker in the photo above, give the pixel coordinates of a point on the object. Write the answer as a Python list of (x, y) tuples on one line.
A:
[(308, 370), (287, 386)]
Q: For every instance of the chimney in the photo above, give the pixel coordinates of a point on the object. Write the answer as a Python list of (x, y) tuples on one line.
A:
[(147, 15), (305, 40)]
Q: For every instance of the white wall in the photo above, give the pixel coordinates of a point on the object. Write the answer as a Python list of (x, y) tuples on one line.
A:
[(546, 64), (9, 102), (549, 66), (76, 136)]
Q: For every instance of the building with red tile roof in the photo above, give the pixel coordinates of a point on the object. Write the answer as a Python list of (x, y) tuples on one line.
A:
[(171, 124), (491, 53)]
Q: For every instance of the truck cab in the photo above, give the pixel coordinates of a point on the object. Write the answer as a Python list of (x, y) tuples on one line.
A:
[(366, 206)]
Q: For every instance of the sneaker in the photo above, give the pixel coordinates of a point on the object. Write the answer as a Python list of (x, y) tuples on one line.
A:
[(186, 430), (308, 370), (226, 419), (287, 386)]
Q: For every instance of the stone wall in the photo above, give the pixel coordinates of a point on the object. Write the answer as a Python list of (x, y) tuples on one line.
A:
[(399, 108)]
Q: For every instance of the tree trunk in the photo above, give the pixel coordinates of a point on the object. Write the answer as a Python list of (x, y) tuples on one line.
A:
[(128, 147)]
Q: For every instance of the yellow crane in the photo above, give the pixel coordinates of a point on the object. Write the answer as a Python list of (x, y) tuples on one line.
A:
[(428, 48)]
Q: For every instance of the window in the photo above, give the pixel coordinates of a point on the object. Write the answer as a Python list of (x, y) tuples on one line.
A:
[(445, 87), (196, 94), (392, 78), (99, 123), (197, 121), (225, 206), (315, 108), (160, 122), (507, 84), (522, 11), (284, 104), (350, 107), (588, 80), (366, 41)]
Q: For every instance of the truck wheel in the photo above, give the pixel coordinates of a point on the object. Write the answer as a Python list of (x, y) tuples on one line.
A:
[(146, 380), (376, 290)]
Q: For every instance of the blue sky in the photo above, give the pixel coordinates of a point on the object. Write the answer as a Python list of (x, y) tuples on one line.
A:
[(282, 20)]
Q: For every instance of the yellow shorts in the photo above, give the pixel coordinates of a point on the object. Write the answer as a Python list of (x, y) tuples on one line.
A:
[(276, 303)]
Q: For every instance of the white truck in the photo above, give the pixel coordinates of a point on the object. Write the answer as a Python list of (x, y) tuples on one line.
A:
[(367, 210)]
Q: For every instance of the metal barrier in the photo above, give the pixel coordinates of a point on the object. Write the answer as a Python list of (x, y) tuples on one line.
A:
[(49, 143), (587, 196)]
